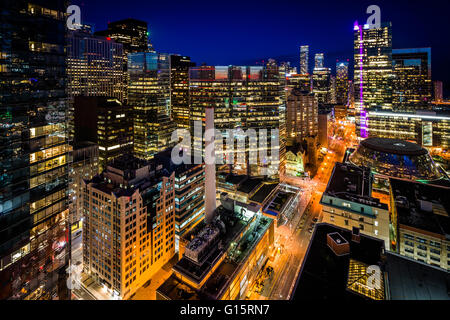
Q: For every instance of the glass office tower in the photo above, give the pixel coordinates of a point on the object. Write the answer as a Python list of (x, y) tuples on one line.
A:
[(132, 33), (179, 89), (412, 88), (372, 71), (342, 84), (149, 96), (304, 57), (319, 60), (244, 98), (34, 248), (95, 67), (322, 85)]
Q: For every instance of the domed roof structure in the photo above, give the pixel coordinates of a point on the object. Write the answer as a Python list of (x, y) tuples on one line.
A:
[(396, 158)]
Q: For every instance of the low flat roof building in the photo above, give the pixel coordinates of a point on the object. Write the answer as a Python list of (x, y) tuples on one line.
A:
[(364, 271), (421, 222), (224, 258), (238, 187), (348, 202)]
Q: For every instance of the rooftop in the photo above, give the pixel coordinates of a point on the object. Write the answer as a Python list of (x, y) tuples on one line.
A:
[(175, 289), (394, 146), (352, 183), (263, 192), (195, 271), (164, 158), (232, 179), (237, 243), (413, 280), (249, 185), (325, 275), (422, 206), (224, 274), (278, 202), (126, 174)]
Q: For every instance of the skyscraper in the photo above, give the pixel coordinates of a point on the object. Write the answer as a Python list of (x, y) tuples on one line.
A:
[(149, 96), (342, 84), (179, 89), (321, 80), (412, 88), (300, 81), (332, 97), (34, 248), (244, 97), (438, 91), (129, 225), (132, 33), (301, 116), (106, 122), (304, 59), (95, 67), (319, 60), (373, 73), (189, 193), (85, 166)]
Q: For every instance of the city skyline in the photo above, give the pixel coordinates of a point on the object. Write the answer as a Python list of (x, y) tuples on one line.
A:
[(182, 31), (131, 169)]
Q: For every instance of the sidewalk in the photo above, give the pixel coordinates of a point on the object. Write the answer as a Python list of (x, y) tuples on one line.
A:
[(149, 292), (94, 288)]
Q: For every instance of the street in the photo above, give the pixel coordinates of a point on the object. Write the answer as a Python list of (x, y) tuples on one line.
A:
[(292, 239)]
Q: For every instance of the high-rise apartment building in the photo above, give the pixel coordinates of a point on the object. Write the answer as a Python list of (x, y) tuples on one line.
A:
[(149, 96), (412, 87), (129, 226), (179, 90), (243, 98), (342, 85), (348, 202), (373, 73), (106, 122), (420, 221), (304, 59), (301, 116), (34, 248)]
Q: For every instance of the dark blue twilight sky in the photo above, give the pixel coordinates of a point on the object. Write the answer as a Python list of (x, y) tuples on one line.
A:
[(243, 31)]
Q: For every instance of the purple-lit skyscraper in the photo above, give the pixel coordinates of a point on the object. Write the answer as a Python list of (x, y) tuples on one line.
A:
[(373, 73)]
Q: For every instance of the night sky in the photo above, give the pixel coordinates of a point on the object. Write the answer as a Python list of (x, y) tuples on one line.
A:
[(244, 32)]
